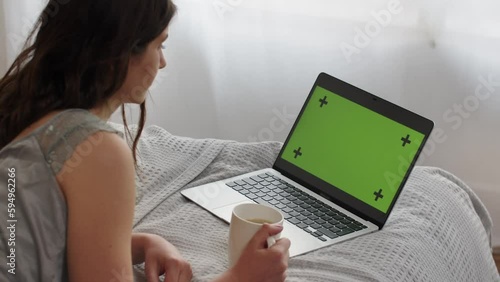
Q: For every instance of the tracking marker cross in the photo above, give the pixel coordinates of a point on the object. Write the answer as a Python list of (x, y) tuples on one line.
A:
[(297, 152), (323, 102), (406, 140), (378, 195)]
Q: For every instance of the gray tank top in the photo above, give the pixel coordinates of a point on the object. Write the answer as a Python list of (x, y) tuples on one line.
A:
[(33, 214)]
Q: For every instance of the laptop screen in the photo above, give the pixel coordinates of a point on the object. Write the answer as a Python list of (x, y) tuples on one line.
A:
[(353, 149)]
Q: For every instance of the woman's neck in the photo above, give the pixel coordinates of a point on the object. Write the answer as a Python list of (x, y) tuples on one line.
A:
[(106, 110)]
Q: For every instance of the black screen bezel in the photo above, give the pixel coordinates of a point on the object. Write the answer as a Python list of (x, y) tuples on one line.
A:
[(376, 104)]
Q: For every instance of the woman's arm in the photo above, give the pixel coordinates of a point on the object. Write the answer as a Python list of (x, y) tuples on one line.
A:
[(100, 193)]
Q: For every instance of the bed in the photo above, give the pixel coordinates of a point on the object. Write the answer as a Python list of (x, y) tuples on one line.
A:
[(439, 230)]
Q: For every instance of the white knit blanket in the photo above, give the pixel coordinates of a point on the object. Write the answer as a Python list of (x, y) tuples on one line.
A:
[(438, 231)]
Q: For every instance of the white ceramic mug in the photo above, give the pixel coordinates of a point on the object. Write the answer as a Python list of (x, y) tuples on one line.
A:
[(242, 228)]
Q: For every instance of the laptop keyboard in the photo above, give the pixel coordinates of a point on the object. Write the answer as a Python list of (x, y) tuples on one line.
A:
[(298, 208)]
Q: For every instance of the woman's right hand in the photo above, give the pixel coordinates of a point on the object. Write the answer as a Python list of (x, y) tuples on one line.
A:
[(260, 263)]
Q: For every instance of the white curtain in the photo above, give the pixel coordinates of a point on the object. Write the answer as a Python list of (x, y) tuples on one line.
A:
[(16, 21), (3, 45), (241, 69)]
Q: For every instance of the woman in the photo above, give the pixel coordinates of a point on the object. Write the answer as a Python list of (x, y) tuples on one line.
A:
[(71, 192)]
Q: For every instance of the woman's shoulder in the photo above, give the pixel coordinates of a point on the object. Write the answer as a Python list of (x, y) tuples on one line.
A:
[(72, 130), (101, 155)]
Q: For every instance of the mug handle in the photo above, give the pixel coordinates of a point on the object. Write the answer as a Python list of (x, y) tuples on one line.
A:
[(270, 241)]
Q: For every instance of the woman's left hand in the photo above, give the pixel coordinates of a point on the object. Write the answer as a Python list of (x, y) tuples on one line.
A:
[(161, 257)]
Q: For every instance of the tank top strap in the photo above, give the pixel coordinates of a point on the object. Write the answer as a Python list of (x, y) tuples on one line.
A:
[(66, 131)]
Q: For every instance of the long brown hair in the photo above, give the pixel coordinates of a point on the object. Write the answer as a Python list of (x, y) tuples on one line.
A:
[(78, 59)]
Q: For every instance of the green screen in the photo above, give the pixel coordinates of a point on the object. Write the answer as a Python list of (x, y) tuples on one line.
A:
[(353, 148)]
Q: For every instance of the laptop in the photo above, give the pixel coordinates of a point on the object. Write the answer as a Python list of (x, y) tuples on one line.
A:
[(339, 172)]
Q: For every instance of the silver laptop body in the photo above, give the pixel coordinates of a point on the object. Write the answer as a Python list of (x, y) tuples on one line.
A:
[(324, 208)]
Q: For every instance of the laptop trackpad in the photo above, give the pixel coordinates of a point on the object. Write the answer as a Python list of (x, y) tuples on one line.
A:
[(225, 212)]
